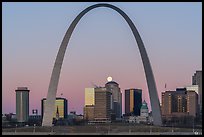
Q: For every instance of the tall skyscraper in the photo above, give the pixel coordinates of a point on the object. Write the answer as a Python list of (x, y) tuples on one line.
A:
[(179, 102), (22, 104), (102, 109), (174, 101), (89, 96), (61, 107), (89, 104), (133, 101), (167, 98), (197, 80), (114, 88), (192, 103)]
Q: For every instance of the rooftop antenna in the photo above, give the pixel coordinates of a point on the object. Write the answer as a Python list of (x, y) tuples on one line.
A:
[(165, 86)]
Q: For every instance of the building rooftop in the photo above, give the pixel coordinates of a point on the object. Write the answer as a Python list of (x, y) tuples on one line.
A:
[(112, 82), (57, 98), (22, 88)]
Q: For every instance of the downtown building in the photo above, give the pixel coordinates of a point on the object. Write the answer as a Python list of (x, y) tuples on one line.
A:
[(133, 102), (98, 103), (116, 99), (89, 104), (22, 104), (143, 118), (179, 103), (197, 80), (103, 104), (61, 108), (102, 108)]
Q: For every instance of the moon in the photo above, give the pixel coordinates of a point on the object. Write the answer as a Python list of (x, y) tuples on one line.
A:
[(109, 79)]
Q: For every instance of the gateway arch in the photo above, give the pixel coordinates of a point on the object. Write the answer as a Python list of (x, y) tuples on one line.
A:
[(52, 90)]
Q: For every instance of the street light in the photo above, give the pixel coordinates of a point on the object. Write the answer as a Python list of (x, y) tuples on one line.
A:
[(109, 127), (193, 124), (172, 130), (34, 128), (16, 128), (52, 127)]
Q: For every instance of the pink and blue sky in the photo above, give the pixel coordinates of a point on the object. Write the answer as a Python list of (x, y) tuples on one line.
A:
[(101, 45)]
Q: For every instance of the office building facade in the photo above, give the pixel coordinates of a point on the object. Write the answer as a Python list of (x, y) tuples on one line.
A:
[(192, 103), (89, 113), (116, 104), (102, 108), (22, 104), (179, 103), (89, 104), (133, 101), (89, 96), (197, 80)]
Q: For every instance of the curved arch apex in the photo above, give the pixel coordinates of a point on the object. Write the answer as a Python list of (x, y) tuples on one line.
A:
[(52, 90)]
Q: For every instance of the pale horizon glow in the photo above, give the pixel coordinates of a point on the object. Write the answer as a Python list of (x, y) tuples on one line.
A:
[(102, 45)]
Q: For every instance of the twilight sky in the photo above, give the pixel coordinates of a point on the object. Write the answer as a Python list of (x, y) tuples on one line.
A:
[(101, 45)]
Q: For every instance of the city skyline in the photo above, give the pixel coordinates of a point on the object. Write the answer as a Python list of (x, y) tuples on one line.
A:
[(74, 75)]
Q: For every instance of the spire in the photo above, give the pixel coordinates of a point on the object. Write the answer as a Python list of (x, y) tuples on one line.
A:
[(57, 113)]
